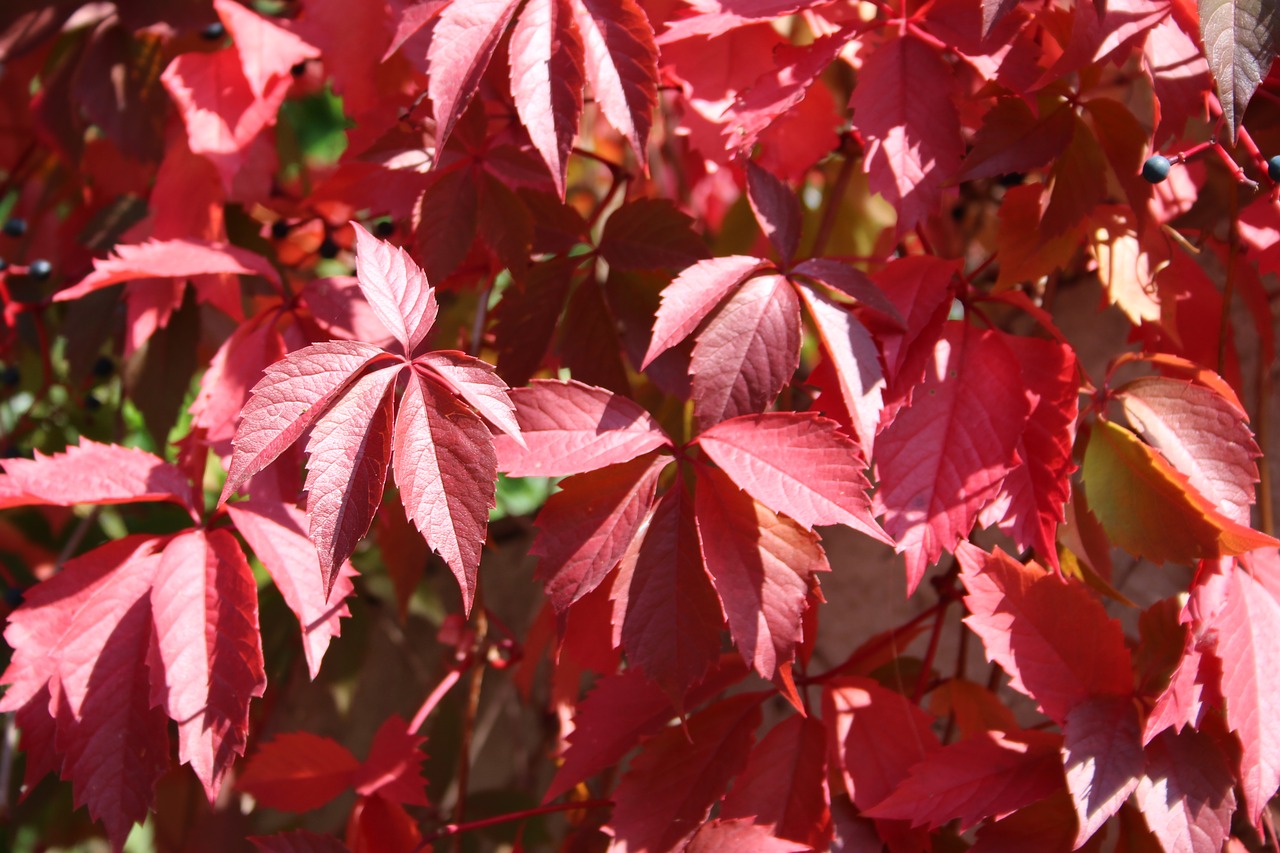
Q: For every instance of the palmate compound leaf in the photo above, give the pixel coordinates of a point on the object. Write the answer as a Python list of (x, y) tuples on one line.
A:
[(344, 392)]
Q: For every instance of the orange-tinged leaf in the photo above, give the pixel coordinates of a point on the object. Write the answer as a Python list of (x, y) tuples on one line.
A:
[(1150, 509)]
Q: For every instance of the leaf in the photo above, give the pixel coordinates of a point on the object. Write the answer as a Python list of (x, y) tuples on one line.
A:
[(776, 209), (622, 66), (586, 527), (1201, 434), (693, 295), (95, 473), (910, 126), (569, 428), (1240, 44), (747, 351), (169, 259), (347, 458), (796, 464), (672, 783), (393, 769), (762, 566), (546, 58), (1179, 75), (742, 835), (1185, 792), (784, 783), (1247, 626), (236, 367), (291, 396), (206, 655), (666, 616), (1181, 703), (267, 50), (1013, 140), (1051, 636), (297, 841), (990, 774), (1102, 753), (946, 454), (477, 383), (920, 288), (1150, 509), (650, 234), (462, 43), (275, 532), (446, 470), (298, 772), (396, 288)]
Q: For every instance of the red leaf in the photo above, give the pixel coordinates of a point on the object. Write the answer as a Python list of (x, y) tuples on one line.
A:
[(851, 282), (393, 769), (747, 351), (477, 383), (236, 368), (1203, 435), (762, 566), (650, 234), (991, 774), (166, 259), (1102, 753), (95, 473), (854, 360), (291, 396), (275, 532), (622, 65), (1185, 793), (1247, 627), (378, 824), (1050, 635), (570, 428), (267, 50), (672, 783), (920, 288), (546, 58), (945, 455), (206, 657), (587, 527), (297, 841), (446, 469), (348, 453), (298, 772), (784, 783), (739, 835), (222, 114), (462, 44), (910, 125), (776, 209), (876, 736), (666, 615), (396, 288), (797, 464), (693, 295)]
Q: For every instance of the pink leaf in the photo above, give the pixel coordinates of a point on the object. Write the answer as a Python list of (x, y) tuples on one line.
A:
[(95, 473), (267, 50), (945, 455), (275, 532), (206, 658), (393, 769), (741, 835), (445, 468), (850, 281), (569, 428), (797, 464), (1050, 635), (992, 774), (348, 453), (621, 61), (178, 259), (396, 288), (546, 58), (586, 527), (776, 209), (1102, 753), (666, 616), (762, 566), (462, 44), (693, 295), (747, 351), (478, 384), (291, 396), (1185, 793), (910, 124), (784, 783), (237, 366), (1181, 703)]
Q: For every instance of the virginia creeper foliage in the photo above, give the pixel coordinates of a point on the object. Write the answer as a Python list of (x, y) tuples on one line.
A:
[(434, 419)]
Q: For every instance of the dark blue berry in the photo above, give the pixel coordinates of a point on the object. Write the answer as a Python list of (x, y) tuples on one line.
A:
[(4, 265), (279, 229), (213, 32), (40, 269), (1156, 169), (1013, 179), (384, 229), (10, 375), (92, 403), (15, 227), (1273, 169), (299, 69), (13, 596), (328, 249), (103, 366)]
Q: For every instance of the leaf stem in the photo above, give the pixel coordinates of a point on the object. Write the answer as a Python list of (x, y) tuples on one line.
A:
[(433, 699), (474, 683), (831, 204), (458, 828)]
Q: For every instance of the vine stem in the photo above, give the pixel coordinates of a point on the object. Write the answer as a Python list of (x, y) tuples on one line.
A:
[(458, 828), (855, 658), (930, 653), (432, 700), (832, 205), (474, 683)]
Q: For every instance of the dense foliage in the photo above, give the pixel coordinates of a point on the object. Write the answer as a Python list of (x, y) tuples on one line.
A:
[(328, 318)]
